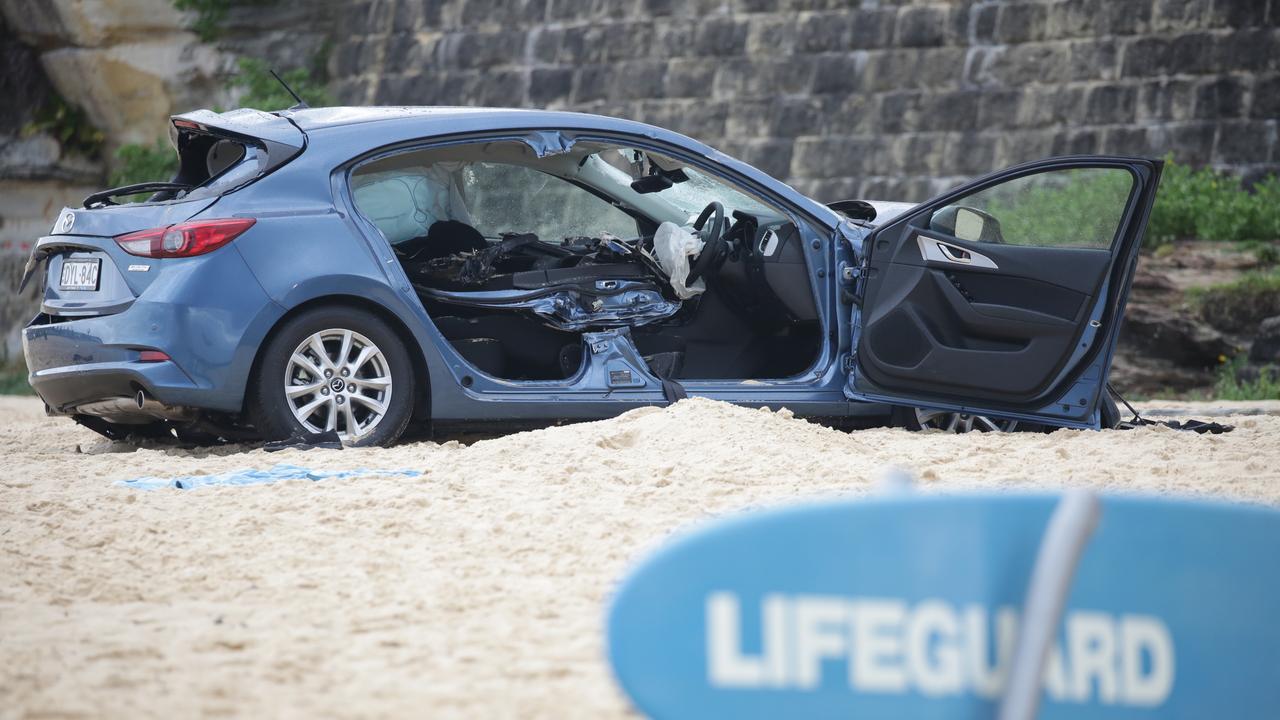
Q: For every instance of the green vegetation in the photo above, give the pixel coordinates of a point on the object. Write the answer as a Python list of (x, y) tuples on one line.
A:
[(138, 163), (1210, 205), (68, 124), (143, 163), (1230, 386), (263, 91), (1241, 305), (1068, 208), (13, 379), (209, 15), (1081, 207)]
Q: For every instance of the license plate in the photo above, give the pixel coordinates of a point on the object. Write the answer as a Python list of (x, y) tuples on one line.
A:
[(79, 275)]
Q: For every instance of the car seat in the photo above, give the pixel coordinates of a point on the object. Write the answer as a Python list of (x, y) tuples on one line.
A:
[(443, 238)]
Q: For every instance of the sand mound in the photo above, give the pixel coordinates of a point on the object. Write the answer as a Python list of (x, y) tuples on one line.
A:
[(476, 589)]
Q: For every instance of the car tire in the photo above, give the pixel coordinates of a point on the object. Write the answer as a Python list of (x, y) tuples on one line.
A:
[(910, 418), (275, 411)]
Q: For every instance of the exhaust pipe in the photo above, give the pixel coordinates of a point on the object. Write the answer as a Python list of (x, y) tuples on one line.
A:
[(134, 410), (157, 409)]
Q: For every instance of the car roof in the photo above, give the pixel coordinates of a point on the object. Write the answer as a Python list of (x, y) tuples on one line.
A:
[(326, 117), (347, 127)]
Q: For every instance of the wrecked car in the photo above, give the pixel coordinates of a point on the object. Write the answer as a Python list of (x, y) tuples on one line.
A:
[(357, 270)]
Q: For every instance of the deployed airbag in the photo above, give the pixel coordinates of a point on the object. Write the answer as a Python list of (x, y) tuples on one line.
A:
[(404, 204), (673, 246)]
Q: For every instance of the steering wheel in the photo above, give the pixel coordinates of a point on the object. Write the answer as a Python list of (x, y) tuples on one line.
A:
[(712, 236)]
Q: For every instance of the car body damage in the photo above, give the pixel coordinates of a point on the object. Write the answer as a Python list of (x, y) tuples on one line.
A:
[(604, 285), (353, 270), (608, 303)]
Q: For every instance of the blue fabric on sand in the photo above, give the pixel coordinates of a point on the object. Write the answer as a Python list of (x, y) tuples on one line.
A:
[(281, 471)]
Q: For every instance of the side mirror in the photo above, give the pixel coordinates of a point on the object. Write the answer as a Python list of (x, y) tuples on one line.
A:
[(967, 223)]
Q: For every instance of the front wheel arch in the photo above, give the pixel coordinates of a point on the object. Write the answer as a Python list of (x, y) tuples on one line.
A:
[(422, 378)]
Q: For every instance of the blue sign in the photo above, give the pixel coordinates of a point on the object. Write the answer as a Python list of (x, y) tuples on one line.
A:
[(910, 607)]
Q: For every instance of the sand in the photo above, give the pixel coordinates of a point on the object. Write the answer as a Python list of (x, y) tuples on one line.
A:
[(476, 590)]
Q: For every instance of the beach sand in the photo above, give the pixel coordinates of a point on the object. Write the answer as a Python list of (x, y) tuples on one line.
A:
[(475, 590)]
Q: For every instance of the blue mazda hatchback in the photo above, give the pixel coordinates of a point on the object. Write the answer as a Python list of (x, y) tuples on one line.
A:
[(356, 270)]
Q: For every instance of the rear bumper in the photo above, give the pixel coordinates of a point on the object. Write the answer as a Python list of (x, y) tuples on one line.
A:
[(76, 362), (207, 313), (65, 388), (73, 362)]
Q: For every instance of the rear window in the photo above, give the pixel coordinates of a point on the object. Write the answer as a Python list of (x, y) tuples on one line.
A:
[(211, 165), (228, 165)]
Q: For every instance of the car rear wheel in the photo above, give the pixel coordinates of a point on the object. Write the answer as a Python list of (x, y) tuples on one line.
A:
[(954, 422), (334, 369)]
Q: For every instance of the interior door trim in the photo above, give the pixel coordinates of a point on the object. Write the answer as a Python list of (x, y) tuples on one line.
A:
[(934, 250), (1084, 371)]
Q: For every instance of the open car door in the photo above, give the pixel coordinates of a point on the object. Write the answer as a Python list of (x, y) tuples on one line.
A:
[(1004, 297)]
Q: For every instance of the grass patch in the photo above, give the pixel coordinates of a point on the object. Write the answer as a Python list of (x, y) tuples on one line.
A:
[(1239, 306), (13, 379), (1210, 205), (1230, 386), (1082, 208)]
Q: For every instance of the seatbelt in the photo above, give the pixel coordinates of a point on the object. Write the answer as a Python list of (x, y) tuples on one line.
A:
[(672, 390), (664, 366)]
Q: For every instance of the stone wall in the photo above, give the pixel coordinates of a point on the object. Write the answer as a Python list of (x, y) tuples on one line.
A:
[(876, 99), (845, 99)]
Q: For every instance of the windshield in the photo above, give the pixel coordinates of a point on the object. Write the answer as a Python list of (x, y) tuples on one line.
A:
[(686, 198), (693, 195)]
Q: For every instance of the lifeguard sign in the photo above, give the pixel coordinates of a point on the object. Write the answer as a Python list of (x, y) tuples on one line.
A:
[(960, 607)]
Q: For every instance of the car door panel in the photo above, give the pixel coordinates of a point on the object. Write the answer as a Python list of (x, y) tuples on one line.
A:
[(950, 319), (1070, 268)]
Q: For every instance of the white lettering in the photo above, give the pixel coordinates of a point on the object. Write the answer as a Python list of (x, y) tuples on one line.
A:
[(932, 648), (933, 657), (821, 634), (876, 662), (988, 679), (776, 627), (1091, 640), (727, 667), (1144, 635), (1055, 674)]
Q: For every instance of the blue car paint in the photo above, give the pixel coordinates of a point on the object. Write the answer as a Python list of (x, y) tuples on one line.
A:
[(309, 245), (184, 310), (334, 261)]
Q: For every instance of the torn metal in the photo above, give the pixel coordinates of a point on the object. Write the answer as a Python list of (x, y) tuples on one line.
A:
[(609, 303)]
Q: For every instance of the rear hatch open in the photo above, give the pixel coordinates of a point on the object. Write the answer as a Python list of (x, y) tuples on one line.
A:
[(87, 273)]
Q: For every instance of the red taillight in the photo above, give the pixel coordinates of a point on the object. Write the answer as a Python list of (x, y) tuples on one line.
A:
[(153, 356), (184, 239)]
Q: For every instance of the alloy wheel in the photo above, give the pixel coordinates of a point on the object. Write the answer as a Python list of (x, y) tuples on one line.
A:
[(337, 379), (961, 422)]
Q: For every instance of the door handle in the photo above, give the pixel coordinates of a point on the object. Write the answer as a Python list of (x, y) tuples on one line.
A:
[(938, 251), (955, 254)]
